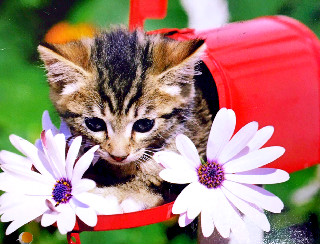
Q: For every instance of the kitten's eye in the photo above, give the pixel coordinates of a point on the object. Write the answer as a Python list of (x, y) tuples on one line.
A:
[(143, 125), (95, 124)]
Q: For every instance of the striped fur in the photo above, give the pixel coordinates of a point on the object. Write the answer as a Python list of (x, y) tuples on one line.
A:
[(122, 77)]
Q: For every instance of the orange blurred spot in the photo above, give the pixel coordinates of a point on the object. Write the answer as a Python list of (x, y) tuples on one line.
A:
[(64, 32), (25, 237)]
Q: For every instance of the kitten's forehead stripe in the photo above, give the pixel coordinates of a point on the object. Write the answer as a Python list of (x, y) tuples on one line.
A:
[(134, 98), (105, 98), (146, 61), (69, 114), (122, 61), (120, 50)]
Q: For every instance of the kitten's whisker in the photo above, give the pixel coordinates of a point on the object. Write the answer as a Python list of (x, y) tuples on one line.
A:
[(145, 159), (151, 149), (147, 155), (139, 161), (159, 135), (149, 152)]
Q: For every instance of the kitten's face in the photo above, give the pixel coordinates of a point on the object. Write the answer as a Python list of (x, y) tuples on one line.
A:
[(127, 92)]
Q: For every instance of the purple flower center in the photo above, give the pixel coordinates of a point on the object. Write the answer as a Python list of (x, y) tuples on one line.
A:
[(61, 191), (211, 174)]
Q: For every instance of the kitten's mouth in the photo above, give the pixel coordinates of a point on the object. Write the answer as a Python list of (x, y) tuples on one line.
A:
[(116, 160)]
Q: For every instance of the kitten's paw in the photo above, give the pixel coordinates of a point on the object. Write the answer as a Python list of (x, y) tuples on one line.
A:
[(111, 206), (103, 205), (129, 205)]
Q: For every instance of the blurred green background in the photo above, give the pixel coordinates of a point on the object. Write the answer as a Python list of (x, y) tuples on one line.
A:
[(24, 96)]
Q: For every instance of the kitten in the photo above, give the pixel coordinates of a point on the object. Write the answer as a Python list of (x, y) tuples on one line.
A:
[(131, 93)]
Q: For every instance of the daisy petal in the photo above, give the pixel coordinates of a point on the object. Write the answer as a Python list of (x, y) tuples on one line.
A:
[(238, 142), (188, 150), (38, 144), (14, 207), (83, 164), (239, 229), (259, 176), (256, 195), (221, 131), (66, 219), (207, 225), (47, 161), (72, 155), (234, 220), (64, 129), (172, 160), (195, 204), (95, 159), (24, 185), (181, 203), (194, 208), (32, 153), (184, 220), (249, 209), (221, 211), (22, 173), (55, 146), (12, 158), (254, 159), (49, 218), (242, 153), (8, 200), (83, 185), (27, 212), (178, 176), (60, 143), (15, 179), (87, 215), (15, 141), (47, 123), (194, 211), (260, 138)]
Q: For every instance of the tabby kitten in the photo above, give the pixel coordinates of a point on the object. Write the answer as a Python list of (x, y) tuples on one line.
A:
[(130, 93)]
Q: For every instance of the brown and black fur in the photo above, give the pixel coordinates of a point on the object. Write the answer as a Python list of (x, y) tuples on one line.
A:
[(127, 79)]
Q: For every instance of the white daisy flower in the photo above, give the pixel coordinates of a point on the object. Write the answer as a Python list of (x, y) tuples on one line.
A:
[(53, 188), (224, 185)]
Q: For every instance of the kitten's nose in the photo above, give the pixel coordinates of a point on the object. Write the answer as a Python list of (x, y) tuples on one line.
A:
[(118, 159)]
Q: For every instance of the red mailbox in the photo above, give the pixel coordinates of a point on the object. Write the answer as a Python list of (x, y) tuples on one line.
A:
[(266, 70)]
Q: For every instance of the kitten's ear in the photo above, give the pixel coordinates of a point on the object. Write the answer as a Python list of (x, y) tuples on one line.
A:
[(178, 57), (66, 63)]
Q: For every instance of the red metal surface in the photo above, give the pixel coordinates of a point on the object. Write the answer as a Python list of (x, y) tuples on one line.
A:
[(73, 238), (128, 220), (123, 221), (140, 10)]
